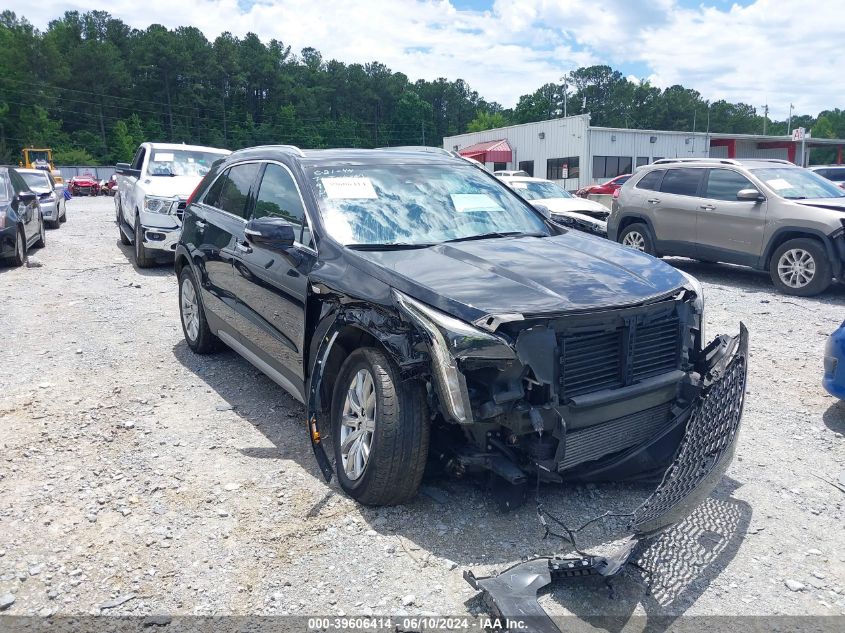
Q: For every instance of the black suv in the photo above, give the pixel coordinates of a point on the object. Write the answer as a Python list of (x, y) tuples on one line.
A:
[(422, 310)]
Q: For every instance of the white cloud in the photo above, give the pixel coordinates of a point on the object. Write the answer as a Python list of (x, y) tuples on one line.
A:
[(766, 51)]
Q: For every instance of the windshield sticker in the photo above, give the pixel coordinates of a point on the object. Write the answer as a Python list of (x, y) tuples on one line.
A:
[(349, 188), (779, 183), (163, 157), (468, 202)]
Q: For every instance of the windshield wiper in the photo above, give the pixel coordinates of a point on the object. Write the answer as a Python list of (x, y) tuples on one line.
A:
[(387, 246), (485, 236), (795, 197)]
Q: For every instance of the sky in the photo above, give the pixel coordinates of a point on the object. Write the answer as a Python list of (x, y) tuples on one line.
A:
[(755, 51)]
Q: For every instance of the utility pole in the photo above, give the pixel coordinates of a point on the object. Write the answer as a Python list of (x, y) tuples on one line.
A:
[(707, 134), (422, 127), (789, 121), (565, 88), (765, 117)]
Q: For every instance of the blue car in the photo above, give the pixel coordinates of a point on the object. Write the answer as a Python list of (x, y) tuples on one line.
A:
[(834, 363)]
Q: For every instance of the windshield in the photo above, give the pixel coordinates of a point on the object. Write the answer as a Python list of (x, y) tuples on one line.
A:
[(797, 184), (37, 182), (181, 162), (539, 190), (417, 204)]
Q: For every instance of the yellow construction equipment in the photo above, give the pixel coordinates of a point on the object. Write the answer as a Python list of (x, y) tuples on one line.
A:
[(41, 158)]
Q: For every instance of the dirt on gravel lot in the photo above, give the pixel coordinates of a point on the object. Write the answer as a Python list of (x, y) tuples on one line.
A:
[(135, 472)]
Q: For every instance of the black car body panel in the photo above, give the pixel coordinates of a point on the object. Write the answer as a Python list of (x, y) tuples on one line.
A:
[(21, 213), (561, 356)]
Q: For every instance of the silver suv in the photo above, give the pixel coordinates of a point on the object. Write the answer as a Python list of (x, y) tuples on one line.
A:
[(764, 213)]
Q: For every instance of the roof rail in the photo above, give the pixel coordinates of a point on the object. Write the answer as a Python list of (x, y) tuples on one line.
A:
[(779, 161), (418, 148), (292, 148), (702, 159)]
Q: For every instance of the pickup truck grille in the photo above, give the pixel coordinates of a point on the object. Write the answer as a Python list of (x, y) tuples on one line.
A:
[(610, 359)]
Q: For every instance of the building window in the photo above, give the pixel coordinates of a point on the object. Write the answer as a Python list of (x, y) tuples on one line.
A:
[(611, 166), (642, 160), (527, 166), (562, 168), (500, 166)]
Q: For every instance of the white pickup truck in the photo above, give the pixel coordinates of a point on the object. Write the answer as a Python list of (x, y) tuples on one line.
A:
[(151, 195)]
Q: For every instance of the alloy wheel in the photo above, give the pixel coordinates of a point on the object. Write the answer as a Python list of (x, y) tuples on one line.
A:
[(357, 424), (190, 309), (796, 268), (634, 240)]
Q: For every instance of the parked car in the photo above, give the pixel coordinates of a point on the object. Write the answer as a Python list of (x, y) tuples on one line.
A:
[(606, 188), (835, 173), (506, 172), (151, 195), (564, 208), (21, 222), (410, 300), (109, 187), (84, 185), (765, 213), (50, 195), (834, 363)]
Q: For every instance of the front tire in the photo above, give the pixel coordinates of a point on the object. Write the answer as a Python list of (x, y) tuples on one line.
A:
[(19, 258), (142, 255), (380, 430), (42, 235), (195, 328), (800, 267), (638, 237)]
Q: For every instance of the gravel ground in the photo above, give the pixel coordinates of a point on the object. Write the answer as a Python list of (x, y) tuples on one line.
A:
[(137, 478)]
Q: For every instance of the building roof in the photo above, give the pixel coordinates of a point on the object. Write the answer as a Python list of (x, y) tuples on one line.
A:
[(489, 151)]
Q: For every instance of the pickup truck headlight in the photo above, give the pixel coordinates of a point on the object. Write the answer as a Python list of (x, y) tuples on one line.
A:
[(157, 204), (452, 339)]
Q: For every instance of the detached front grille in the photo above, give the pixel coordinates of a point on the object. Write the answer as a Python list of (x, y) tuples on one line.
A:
[(642, 347)]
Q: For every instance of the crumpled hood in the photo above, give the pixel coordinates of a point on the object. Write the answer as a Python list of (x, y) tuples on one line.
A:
[(169, 186), (526, 275), (577, 205)]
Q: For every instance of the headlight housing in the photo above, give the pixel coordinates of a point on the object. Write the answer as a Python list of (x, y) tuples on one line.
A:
[(452, 339), (698, 303), (157, 204)]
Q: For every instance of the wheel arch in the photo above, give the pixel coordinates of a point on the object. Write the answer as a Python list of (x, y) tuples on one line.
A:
[(631, 218), (340, 331), (784, 234)]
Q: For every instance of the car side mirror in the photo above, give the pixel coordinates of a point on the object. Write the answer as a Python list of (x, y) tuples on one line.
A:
[(751, 195), (27, 196), (544, 210), (270, 232)]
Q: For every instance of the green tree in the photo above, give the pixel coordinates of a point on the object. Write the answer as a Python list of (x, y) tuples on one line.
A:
[(487, 121)]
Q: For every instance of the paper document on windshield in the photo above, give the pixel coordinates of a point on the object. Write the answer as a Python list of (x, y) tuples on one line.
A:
[(163, 157), (346, 188), (467, 202), (779, 183)]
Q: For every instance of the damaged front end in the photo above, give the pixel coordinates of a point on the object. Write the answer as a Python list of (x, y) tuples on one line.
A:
[(705, 451)]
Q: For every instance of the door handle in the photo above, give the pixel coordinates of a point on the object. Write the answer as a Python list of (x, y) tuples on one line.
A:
[(243, 247), (707, 207), (200, 224), (653, 200)]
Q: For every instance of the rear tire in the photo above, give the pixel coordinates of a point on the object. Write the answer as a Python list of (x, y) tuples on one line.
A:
[(638, 237), (800, 267), (393, 432), (195, 328), (142, 255), (63, 216), (119, 219)]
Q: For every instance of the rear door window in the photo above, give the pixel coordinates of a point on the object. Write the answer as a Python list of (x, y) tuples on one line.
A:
[(651, 181), (230, 192), (724, 184), (682, 182)]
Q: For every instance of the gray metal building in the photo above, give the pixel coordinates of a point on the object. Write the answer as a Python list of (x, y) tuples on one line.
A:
[(576, 154)]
